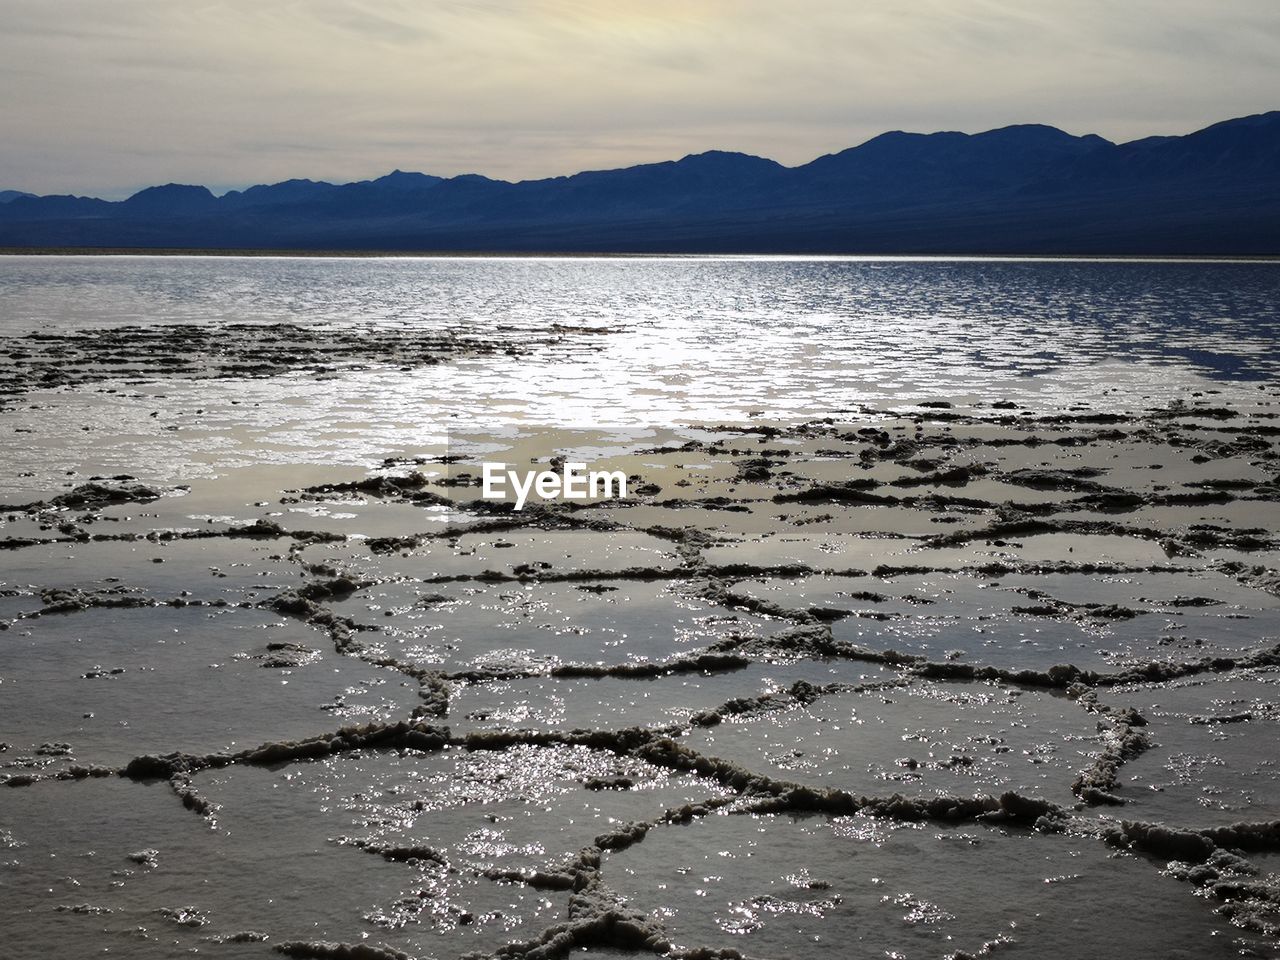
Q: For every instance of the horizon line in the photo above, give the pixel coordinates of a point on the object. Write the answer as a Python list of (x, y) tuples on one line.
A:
[(282, 253)]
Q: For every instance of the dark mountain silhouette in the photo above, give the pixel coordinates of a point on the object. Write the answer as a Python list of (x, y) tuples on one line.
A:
[(173, 201), (7, 195), (1019, 189)]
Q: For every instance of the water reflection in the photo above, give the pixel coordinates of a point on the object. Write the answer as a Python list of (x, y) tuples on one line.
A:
[(952, 317), (701, 339)]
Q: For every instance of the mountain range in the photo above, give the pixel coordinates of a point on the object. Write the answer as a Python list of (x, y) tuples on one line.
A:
[(1029, 189)]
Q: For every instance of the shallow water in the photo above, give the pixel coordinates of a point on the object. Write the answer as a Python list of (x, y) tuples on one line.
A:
[(694, 340), (843, 673)]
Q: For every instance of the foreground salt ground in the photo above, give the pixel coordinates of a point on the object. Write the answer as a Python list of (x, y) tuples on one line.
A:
[(923, 684)]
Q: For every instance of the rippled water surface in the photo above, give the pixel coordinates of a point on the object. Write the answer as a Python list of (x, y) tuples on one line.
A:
[(692, 340)]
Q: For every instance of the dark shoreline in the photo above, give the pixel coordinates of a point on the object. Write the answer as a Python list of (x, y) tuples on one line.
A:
[(609, 255)]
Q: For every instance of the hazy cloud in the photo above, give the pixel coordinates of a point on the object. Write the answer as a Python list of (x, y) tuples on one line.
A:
[(102, 97)]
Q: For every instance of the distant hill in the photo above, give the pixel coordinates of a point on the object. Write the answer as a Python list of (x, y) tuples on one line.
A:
[(7, 195), (1019, 189)]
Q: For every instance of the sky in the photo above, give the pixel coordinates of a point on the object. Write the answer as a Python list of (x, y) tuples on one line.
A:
[(103, 97)]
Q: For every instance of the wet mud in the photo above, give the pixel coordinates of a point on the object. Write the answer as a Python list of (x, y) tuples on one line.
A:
[(45, 360), (929, 682)]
